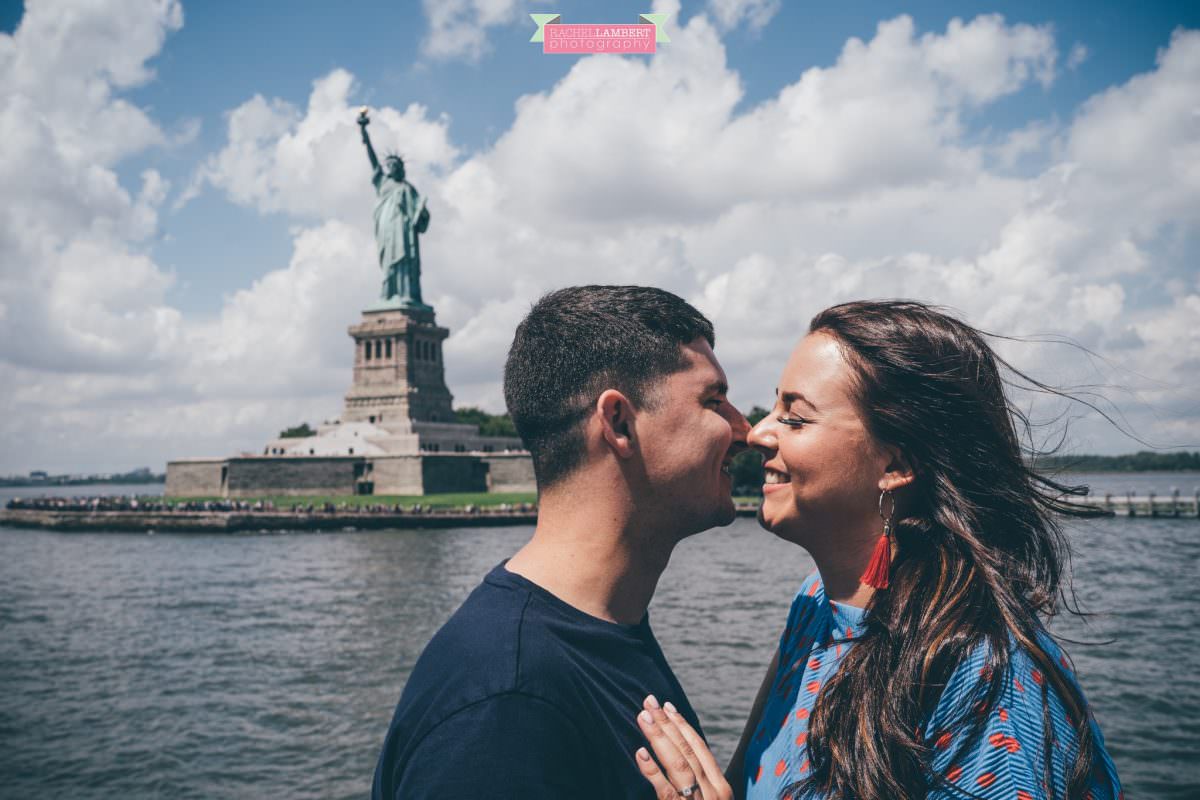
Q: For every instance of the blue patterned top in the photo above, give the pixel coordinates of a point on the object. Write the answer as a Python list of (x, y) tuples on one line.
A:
[(1008, 761)]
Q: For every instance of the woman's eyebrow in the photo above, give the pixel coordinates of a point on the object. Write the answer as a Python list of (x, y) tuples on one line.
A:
[(787, 398)]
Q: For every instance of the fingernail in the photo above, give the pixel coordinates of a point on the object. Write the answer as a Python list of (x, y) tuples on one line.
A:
[(646, 717), (652, 701), (642, 754), (670, 708)]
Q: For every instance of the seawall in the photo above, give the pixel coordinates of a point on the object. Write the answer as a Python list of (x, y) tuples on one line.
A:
[(234, 521), (473, 517)]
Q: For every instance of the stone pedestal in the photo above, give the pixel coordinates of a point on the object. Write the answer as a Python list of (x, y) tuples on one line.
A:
[(399, 377), (397, 433)]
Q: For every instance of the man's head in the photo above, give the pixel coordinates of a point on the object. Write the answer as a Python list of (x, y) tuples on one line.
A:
[(637, 355)]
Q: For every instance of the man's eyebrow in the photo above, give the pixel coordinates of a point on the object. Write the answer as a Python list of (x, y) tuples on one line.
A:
[(717, 387), (787, 398)]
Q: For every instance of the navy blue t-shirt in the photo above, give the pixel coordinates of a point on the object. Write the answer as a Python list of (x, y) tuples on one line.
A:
[(520, 695)]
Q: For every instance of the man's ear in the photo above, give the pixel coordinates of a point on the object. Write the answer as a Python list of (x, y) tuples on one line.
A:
[(616, 414), (899, 471)]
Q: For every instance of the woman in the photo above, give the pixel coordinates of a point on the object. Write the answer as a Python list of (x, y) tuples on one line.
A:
[(914, 662)]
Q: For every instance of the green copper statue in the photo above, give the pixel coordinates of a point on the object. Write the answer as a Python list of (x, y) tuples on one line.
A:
[(400, 217)]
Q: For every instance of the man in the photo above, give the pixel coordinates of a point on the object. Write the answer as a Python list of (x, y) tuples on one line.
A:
[(532, 688)]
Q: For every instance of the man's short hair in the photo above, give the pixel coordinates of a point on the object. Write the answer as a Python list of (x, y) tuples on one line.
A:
[(577, 342)]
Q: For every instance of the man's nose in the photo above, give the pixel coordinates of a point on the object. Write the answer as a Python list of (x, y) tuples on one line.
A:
[(740, 426)]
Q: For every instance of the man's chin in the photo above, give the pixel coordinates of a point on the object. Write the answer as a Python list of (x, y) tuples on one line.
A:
[(726, 517), (718, 518)]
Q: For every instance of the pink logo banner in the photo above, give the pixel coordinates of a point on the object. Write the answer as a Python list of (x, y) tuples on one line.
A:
[(585, 39)]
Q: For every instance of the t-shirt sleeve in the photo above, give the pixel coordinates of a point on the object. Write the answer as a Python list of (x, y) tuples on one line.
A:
[(508, 747)]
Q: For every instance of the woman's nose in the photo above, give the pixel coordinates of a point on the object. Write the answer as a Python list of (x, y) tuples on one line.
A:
[(762, 435)]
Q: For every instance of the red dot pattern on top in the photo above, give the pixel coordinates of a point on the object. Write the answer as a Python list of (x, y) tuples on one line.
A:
[(996, 766)]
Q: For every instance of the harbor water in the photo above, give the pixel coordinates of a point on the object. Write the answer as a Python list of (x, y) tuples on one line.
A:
[(216, 666)]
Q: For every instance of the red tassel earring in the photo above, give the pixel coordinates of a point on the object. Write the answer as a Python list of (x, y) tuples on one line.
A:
[(876, 575)]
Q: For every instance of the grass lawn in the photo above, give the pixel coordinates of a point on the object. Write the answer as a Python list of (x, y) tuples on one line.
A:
[(453, 500)]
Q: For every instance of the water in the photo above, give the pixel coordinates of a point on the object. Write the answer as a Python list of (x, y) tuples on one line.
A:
[(249, 665)]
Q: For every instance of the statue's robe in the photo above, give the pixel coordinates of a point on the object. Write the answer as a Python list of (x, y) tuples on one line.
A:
[(400, 216)]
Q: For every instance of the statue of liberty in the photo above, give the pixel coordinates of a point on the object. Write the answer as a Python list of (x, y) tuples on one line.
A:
[(400, 217)]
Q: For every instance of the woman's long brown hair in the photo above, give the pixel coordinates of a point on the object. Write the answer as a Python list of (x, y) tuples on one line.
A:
[(980, 558)]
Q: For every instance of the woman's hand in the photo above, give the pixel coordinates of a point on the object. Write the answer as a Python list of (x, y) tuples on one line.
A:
[(688, 767)]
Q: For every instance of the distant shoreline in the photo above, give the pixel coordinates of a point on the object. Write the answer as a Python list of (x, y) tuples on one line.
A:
[(10, 483), (1116, 470), (1144, 461)]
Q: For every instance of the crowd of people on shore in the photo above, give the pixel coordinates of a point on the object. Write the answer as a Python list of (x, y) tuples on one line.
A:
[(132, 503), (150, 505)]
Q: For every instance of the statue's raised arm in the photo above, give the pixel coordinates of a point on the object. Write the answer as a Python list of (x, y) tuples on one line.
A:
[(363, 122)]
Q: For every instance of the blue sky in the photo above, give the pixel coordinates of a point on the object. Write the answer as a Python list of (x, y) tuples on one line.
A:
[(986, 188)]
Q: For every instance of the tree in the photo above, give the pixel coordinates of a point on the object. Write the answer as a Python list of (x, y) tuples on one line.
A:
[(1142, 461), (489, 424), (300, 431), (747, 466)]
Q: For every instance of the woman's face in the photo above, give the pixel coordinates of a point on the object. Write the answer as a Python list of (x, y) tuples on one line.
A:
[(823, 468)]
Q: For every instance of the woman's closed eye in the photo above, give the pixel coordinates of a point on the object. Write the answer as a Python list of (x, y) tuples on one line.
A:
[(792, 421)]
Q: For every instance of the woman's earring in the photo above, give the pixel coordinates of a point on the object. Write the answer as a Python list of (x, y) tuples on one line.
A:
[(876, 575)]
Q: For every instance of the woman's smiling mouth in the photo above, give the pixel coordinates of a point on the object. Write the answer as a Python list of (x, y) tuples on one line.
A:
[(773, 479)]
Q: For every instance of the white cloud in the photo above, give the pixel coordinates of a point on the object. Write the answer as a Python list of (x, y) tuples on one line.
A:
[(79, 293), (287, 329), (858, 179), (312, 164), (755, 13), (1139, 143), (845, 148), (1034, 138), (886, 115), (1078, 55), (985, 59), (458, 28)]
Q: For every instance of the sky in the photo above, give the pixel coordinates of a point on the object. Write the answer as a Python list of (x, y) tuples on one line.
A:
[(185, 205)]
